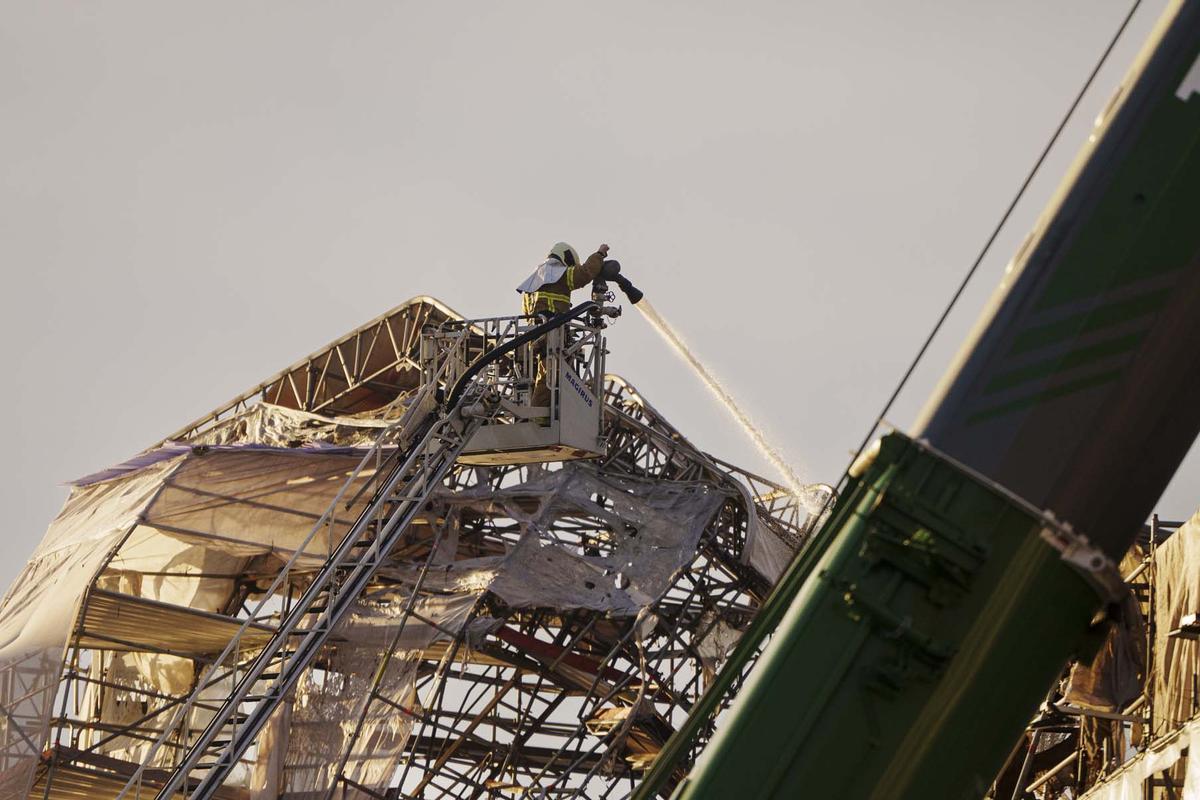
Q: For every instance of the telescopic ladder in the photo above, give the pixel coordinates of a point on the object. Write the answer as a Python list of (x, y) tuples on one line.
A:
[(411, 460)]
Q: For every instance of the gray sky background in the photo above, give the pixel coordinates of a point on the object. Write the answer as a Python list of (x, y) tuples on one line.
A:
[(192, 196)]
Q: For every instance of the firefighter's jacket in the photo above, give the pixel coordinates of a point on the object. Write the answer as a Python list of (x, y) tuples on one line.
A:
[(549, 287)]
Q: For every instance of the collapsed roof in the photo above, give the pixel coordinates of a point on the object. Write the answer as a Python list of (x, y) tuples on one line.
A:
[(569, 615)]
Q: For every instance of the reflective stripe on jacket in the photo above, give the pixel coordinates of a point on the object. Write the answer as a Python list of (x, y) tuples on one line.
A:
[(555, 297), (532, 302)]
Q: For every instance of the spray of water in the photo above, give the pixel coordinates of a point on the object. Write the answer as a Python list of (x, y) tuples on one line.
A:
[(741, 417)]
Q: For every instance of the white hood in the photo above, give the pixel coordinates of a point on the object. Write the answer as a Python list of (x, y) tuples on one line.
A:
[(549, 271)]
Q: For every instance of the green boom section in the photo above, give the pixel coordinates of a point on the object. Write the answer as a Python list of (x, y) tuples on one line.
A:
[(928, 621), (1079, 390), (916, 634)]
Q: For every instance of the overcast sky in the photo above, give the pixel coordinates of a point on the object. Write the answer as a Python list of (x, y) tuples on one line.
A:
[(195, 195)]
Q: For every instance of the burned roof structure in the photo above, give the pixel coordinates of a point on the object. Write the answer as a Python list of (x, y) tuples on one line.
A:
[(539, 629)]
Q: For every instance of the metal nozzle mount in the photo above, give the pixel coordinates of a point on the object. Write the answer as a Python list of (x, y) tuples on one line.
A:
[(612, 272), (602, 296)]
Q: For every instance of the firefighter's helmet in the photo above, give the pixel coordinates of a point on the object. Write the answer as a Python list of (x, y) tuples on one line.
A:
[(565, 253)]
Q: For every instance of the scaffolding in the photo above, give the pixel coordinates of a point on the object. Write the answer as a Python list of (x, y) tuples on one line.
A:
[(540, 629), (1120, 724)]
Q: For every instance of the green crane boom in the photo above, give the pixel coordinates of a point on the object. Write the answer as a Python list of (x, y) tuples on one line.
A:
[(963, 566)]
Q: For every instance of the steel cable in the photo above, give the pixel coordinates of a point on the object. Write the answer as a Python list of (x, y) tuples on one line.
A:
[(1087, 84)]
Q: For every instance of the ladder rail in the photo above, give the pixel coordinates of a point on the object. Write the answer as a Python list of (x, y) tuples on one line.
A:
[(339, 600), (213, 674), (435, 444)]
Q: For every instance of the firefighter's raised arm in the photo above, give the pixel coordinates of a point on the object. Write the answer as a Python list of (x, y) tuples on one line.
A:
[(580, 276)]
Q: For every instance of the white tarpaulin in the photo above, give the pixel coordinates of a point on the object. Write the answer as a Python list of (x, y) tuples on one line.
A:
[(1176, 658), (1176, 662), (183, 526), (1129, 782), (277, 426), (653, 528), (331, 709), (154, 559), (39, 610)]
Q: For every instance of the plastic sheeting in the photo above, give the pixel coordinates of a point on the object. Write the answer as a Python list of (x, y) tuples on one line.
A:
[(1176, 658), (764, 551), (38, 612), (253, 501), (178, 528), (1176, 661), (1114, 677), (188, 524), (330, 704), (327, 708), (653, 526), (272, 425), (1128, 783), (277, 426), (173, 522)]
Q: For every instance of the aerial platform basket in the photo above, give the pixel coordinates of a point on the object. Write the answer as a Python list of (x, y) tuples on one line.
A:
[(572, 358)]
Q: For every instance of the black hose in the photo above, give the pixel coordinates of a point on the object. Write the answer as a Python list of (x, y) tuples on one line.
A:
[(490, 356)]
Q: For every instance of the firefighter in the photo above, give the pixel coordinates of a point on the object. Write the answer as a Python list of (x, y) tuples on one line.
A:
[(548, 289), (547, 292)]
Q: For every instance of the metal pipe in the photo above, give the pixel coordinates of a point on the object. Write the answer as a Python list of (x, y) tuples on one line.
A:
[(1019, 789), (1057, 768)]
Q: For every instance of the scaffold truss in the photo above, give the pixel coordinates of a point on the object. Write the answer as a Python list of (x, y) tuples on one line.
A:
[(540, 630), (1122, 722)]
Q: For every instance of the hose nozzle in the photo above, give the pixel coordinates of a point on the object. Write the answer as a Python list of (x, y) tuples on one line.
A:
[(634, 294)]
